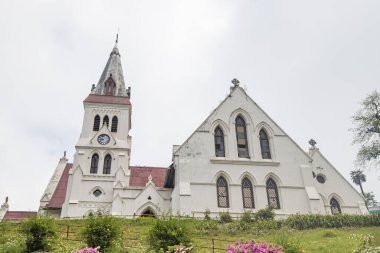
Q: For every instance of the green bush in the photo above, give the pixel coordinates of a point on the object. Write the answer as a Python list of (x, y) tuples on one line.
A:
[(290, 245), (265, 214), (247, 217), (168, 232), (40, 232), (102, 231), (225, 217), (207, 214)]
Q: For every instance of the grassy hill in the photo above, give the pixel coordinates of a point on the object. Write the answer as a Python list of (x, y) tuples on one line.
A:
[(207, 236)]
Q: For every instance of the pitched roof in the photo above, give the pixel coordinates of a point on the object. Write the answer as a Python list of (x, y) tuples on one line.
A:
[(59, 194), (112, 70), (17, 215), (107, 99), (140, 174)]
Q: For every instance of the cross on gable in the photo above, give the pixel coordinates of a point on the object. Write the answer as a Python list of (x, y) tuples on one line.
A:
[(235, 82), (312, 142)]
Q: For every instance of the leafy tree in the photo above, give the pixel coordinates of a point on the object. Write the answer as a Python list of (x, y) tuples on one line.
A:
[(367, 130), (358, 177), (370, 199)]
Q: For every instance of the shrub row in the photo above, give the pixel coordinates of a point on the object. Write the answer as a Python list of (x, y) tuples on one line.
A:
[(331, 221)]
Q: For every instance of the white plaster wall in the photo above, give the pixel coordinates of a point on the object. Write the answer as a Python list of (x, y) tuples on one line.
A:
[(197, 168), (336, 186)]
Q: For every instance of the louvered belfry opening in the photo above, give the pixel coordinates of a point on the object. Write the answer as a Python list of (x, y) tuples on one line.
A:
[(114, 124), (96, 123), (241, 137), (219, 142), (272, 194), (264, 144), (335, 207), (222, 191), (94, 164), (247, 191), (106, 120), (107, 164)]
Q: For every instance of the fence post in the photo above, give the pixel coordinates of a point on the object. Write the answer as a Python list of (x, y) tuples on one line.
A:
[(213, 245), (67, 231)]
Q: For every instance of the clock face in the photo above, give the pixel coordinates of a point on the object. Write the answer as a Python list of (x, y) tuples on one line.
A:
[(103, 139)]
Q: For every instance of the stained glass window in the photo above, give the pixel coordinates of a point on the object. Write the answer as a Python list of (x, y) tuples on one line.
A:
[(264, 144), (94, 164), (241, 137), (107, 164), (219, 142)]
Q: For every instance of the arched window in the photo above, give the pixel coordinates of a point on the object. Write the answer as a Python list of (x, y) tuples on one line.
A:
[(222, 191), (272, 194), (219, 142), (241, 137), (109, 87), (94, 164), (107, 164), (247, 191), (264, 144), (106, 120), (114, 124), (335, 207), (96, 123)]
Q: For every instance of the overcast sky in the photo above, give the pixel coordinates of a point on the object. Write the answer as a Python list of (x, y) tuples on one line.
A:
[(308, 64)]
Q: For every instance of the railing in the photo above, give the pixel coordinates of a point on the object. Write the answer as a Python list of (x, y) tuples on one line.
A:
[(69, 232)]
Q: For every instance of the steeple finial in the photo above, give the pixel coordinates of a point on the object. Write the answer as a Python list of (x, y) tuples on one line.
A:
[(117, 36)]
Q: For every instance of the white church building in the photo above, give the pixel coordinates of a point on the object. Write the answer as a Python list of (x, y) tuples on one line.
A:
[(238, 159)]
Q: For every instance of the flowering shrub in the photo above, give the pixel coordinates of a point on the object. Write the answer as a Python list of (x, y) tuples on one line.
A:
[(254, 247), (87, 250)]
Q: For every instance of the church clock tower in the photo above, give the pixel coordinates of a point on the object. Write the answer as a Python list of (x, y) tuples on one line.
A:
[(101, 163)]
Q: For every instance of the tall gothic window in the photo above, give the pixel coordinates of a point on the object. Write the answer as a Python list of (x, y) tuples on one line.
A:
[(264, 144), (94, 164), (106, 120), (247, 191), (107, 164), (96, 123), (222, 191), (241, 137), (335, 207), (272, 194), (219, 142), (114, 124)]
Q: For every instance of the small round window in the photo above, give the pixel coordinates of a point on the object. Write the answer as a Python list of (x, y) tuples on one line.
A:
[(97, 193), (321, 179)]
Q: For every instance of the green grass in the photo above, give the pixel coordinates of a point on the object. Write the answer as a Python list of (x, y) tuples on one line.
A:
[(136, 231)]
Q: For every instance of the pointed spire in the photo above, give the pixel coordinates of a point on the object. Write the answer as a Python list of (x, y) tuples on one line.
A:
[(111, 81)]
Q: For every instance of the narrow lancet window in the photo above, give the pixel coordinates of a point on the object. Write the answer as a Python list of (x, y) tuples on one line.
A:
[(335, 207), (94, 164), (96, 123), (247, 191), (106, 120), (222, 191), (264, 144), (241, 137), (107, 164), (114, 124), (219, 142), (272, 194)]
